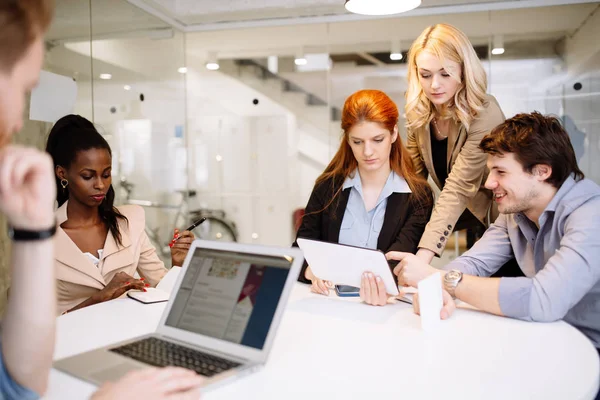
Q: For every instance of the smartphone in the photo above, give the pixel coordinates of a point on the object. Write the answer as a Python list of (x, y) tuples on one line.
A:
[(347, 291)]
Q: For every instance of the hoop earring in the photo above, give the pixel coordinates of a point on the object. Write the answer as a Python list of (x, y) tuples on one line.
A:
[(64, 183)]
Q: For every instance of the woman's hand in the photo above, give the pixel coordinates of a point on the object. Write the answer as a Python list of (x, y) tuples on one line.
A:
[(118, 285), (372, 290), (180, 247), (153, 384), (425, 255), (318, 286)]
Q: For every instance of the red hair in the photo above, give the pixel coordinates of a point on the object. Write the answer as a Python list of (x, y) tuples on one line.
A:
[(373, 106)]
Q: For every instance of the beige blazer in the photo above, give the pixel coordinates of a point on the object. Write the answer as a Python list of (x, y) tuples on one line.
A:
[(77, 276), (467, 173)]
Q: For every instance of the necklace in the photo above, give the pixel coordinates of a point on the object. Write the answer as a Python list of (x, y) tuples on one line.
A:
[(438, 132)]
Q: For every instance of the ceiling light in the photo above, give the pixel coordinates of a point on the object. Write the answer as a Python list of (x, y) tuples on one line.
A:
[(381, 7), (219, 158), (182, 70), (105, 76), (396, 51), (498, 45), (212, 62), (127, 87), (300, 59)]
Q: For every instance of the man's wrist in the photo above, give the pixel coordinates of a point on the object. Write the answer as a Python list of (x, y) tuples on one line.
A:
[(451, 280), (28, 235)]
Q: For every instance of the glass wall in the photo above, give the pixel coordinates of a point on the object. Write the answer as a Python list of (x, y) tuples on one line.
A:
[(243, 144)]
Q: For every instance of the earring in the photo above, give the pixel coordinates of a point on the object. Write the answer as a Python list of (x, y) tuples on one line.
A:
[(64, 183)]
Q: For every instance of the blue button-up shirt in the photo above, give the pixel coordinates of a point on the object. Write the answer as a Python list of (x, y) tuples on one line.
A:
[(361, 227), (560, 260)]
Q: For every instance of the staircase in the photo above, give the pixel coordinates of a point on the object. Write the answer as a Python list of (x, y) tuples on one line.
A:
[(318, 123)]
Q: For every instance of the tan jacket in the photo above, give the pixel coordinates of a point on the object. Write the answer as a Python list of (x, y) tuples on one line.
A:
[(77, 276), (467, 173)]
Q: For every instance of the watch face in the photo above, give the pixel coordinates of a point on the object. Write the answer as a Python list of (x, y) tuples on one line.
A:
[(452, 276)]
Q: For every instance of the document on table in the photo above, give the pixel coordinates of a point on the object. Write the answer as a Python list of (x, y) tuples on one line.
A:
[(430, 301)]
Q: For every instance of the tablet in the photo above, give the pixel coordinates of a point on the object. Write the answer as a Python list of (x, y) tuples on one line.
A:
[(344, 265)]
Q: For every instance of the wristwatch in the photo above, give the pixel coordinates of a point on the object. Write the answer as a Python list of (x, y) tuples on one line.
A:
[(451, 280)]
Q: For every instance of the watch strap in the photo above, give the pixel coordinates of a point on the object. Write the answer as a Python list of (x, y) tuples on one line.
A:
[(23, 235)]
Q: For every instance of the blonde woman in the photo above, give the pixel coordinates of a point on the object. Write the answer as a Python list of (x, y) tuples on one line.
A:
[(448, 112)]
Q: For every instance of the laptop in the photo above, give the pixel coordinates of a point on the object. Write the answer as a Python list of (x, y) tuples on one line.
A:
[(220, 321)]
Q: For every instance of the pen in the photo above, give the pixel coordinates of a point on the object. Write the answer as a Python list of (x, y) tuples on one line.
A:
[(189, 228)]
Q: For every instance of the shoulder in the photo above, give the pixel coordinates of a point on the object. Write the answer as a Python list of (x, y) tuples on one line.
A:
[(133, 213), (582, 202), (489, 117), (328, 186)]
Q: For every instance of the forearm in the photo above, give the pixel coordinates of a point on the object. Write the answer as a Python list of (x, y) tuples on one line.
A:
[(482, 293), (29, 322), (95, 299)]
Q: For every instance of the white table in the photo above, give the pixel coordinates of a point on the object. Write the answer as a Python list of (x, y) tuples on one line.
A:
[(330, 347)]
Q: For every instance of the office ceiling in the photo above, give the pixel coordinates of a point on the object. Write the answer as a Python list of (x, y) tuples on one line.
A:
[(114, 17), (193, 15)]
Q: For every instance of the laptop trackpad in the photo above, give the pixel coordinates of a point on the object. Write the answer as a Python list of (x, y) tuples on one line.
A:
[(115, 372)]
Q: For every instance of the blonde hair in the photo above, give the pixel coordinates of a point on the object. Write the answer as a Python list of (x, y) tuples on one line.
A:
[(446, 43)]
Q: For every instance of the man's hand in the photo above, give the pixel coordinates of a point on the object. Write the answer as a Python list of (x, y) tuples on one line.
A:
[(411, 268), (153, 384), (27, 188), (447, 309), (372, 290)]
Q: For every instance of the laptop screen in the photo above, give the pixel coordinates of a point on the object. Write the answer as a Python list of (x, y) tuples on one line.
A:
[(230, 296)]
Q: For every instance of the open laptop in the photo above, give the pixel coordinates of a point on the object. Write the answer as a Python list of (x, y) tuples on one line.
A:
[(220, 321)]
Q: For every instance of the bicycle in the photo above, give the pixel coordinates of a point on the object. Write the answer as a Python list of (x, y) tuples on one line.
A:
[(216, 227)]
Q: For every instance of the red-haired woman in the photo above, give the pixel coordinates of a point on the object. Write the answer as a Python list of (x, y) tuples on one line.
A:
[(369, 195)]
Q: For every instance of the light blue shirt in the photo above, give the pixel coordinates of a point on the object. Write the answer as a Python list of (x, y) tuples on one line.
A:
[(560, 260), (361, 227), (11, 390)]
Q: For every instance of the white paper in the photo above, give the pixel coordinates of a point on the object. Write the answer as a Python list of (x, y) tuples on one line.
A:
[(430, 301), (53, 98)]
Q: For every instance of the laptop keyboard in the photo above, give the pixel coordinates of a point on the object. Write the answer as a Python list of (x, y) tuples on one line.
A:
[(161, 353)]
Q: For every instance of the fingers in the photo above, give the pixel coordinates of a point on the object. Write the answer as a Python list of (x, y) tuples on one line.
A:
[(190, 395), (366, 287), (396, 255), (322, 287), (382, 298), (172, 380), (449, 305), (398, 268), (186, 235), (181, 246), (375, 293), (416, 307), (318, 286)]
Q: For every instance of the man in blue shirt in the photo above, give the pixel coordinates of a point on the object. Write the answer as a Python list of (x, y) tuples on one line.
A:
[(549, 221)]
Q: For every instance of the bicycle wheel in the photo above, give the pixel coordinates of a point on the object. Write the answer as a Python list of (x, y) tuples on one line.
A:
[(216, 229)]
